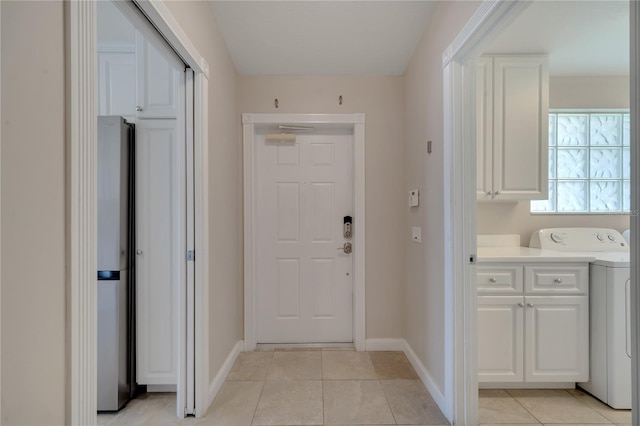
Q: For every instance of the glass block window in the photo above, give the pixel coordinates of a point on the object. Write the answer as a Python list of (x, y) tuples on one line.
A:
[(589, 163)]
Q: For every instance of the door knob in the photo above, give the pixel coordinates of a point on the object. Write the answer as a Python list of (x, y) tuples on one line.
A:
[(347, 248), (531, 305), (138, 108), (521, 305), (138, 252)]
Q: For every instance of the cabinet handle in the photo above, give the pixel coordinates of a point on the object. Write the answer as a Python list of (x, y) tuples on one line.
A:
[(488, 193), (521, 305), (138, 108), (530, 305), (492, 280), (496, 193), (558, 280)]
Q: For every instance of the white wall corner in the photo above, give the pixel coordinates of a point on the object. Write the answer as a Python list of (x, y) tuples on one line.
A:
[(373, 345), (427, 380), (223, 372)]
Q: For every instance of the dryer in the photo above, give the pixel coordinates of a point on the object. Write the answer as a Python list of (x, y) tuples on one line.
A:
[(609, 304)]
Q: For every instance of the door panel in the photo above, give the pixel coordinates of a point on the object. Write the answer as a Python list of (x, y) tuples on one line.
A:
[(160, 242), (158, 79), (303, 282)]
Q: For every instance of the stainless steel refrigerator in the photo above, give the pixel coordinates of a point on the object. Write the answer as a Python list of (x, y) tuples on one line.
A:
[(116, 221)]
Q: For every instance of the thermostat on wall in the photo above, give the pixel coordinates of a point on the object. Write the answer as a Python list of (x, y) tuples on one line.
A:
[(414, 198)]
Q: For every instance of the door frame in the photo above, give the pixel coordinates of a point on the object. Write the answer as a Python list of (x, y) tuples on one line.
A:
[(458, 62), (357, 122), (81, 246)]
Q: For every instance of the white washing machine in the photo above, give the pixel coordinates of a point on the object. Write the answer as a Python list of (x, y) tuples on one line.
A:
[(609, 296)]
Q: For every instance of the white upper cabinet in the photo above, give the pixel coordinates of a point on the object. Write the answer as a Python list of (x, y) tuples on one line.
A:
[(156, 91), (117, 84), (140, 81), (512, 109)]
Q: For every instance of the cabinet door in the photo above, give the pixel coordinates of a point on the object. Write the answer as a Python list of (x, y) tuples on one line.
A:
[(158, 79), (117, 84), (500, 338), (484, 128), (160, 260), (520, 131), (557, 339)]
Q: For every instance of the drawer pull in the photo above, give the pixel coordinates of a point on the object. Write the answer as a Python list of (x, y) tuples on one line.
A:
[(492, 280), (558, 280)]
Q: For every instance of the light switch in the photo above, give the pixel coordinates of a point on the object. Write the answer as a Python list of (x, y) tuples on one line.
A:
[(414, 198), (416, 234)]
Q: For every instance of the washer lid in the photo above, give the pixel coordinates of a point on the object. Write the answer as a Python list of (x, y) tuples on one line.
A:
[(579, 240)]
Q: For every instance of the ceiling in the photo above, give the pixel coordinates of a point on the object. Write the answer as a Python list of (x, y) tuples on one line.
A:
[(354, 37), (322, 37), (583, 38)]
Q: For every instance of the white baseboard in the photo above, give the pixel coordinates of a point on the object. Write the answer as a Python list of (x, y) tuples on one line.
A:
[(426, 378), (223, 372), (385, 345)]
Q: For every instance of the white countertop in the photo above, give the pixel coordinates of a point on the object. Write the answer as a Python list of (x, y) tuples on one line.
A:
[(529, 255)]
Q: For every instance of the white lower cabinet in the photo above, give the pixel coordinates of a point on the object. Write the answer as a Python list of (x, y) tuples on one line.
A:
[(533, 338), (500, 339), (557, 339)]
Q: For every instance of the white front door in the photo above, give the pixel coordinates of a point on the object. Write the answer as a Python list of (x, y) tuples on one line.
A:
[(304, 286)]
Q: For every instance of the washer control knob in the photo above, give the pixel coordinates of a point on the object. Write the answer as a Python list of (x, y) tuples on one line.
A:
[(611, 237), (556, 238), (600, 237)]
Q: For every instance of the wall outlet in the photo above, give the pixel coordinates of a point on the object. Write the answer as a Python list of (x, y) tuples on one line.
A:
[(416, 234), (414, 198)]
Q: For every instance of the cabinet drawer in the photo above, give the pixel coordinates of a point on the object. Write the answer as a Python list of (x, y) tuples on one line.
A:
[(557, 279), (499, 279)]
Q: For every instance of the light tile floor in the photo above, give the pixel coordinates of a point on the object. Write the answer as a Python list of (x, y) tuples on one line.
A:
[(548, 407), (329, 386), (304, 387)]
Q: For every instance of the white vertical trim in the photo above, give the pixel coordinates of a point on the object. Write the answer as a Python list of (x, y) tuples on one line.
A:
[(81, 118), (0, 217), (248, 129), (459, 204), (635, 205), (189, 344), (248, 133), (359, 228), (202, 278)]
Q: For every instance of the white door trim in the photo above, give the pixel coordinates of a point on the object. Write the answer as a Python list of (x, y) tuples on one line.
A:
[(81, 113), (461, 381), (635, 205), (357, 121)]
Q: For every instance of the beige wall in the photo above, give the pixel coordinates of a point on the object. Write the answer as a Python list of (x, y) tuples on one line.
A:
[(564, 92), (380, 98), (225, 181), (424, 121), (33, 213)]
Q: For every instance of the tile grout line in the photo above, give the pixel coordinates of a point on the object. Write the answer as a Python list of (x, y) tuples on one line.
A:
[(386, 397), (523, 407), (591, 408), (255, 410)]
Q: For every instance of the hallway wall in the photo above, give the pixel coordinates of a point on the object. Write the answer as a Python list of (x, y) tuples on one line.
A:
[(380, 98), (33, 213), (423, 93)]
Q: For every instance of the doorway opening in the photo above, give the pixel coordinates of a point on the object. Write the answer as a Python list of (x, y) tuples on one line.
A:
[(462, 128), (143, 83)]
